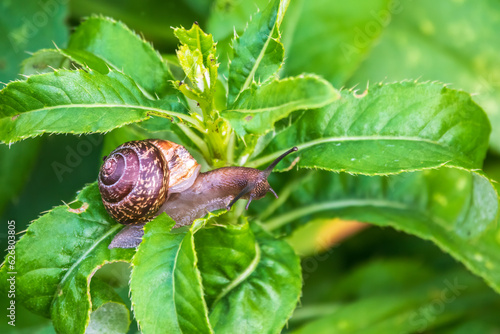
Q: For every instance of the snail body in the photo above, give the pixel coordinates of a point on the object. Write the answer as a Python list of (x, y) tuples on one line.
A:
[(141, 179)]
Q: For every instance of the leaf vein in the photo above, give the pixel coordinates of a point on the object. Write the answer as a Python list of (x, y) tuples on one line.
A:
[(82, 258)]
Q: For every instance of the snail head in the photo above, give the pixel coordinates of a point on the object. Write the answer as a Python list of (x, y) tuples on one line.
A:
[(258, 185)]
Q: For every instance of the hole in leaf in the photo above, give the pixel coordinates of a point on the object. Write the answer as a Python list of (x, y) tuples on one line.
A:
[(116, 274), (78, 207)]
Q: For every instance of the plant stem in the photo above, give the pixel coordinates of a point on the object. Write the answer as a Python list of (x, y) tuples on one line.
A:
[(230, 148), (199, 142), (169, 114), (274, 224)]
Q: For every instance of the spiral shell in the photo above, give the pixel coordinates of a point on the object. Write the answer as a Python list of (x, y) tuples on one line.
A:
[(136, 178), (182, 166)]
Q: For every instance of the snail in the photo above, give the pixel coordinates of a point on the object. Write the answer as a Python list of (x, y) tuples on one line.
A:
[(141, 179)]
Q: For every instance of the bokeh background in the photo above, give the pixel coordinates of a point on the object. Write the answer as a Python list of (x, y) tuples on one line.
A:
[(350, 43)]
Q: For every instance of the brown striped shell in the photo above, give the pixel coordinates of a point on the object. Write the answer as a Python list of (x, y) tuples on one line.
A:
[(138, 176)]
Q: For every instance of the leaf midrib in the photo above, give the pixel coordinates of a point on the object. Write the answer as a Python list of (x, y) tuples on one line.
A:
[(249, 78), (157, 111), (311, 143), (288, 217), (241, 277), (251, 74), (83, 257), (315, 102)]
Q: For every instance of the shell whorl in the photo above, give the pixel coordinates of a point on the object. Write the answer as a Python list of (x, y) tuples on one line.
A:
[(182, 166), (134, 181)]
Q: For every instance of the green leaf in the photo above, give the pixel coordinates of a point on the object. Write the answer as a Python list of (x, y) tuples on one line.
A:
[(75, 102), (70, 243), (455, 209), (266, 298), (389, 129), (464, 56), (270, 63), (125, 51), (109, 313), (259, 107), (87, 60), (197, 58), (26, 27), (227, 19), (222, 271), (257, 53), (331, 39), (165, 284), (49, 60), (44, 61)]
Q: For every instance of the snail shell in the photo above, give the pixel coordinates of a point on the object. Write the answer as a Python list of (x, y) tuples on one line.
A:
[(139, 176)]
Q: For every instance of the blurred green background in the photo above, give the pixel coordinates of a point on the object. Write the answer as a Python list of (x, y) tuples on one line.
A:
[(349, 43)]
